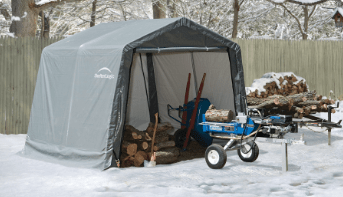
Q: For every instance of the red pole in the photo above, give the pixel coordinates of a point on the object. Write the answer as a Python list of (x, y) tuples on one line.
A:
[(184, 114), (192, 121)]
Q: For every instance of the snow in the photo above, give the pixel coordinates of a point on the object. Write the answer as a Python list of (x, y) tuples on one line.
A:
[(258, 84), (15, 18), (314, 169), (42, 2), (300, 1)]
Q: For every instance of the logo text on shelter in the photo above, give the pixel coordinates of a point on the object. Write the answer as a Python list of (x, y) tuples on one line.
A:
[(104, 76)]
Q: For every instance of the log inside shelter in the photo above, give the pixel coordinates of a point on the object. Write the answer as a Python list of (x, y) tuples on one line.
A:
[(168, 155), (162, 145)]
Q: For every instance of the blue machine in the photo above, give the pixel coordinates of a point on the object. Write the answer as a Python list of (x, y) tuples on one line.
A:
[(197, 133), (230, 128)]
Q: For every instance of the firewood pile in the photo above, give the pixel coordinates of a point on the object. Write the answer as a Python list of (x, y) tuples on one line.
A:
[(297, 105), (277, 84), (285, 93), (136, 145)]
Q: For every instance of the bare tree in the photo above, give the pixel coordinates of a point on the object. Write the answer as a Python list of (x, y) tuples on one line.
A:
[(159, 9), (307, 15), (25, 14), (92, 23), (236, 6)]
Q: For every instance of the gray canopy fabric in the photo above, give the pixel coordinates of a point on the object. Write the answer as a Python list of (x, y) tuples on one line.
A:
[(92, 83)]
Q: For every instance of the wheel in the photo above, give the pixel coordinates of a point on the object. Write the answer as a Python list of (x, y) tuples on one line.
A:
[(248, 154), (180, 137), (215, 156)]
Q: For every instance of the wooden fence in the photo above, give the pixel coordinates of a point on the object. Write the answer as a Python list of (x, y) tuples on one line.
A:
[(19, 62), (319, 62)]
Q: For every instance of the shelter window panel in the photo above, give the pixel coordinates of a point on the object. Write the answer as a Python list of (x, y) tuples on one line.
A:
[(171, 75), (218, 83), (137, 113)]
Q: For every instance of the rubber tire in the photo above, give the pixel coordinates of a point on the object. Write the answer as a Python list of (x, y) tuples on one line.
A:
[(180, 137), (222, 156), (253, 156)]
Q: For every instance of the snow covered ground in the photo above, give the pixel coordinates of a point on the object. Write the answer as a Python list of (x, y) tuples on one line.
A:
[(315, 169)]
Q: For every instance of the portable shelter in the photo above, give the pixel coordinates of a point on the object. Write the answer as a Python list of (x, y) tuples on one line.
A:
[(90, 84)]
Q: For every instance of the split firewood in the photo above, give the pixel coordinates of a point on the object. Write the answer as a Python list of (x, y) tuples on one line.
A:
[(131, 133), (142, 145), (144, 154), (131, 149), (161, 137), (162, 145), (138, 134), (127, 161), (138, 159), (223, 115), (166, 126), (147, 137)]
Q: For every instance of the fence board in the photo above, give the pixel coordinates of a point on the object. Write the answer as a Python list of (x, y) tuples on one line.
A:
[(2, 85), (319, 62)]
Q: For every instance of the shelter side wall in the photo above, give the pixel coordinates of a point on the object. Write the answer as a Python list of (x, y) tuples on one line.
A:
[(95, 78), (50, 107), (72, 107)]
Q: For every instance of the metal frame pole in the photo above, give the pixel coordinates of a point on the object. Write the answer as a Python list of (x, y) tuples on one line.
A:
[(284, 157)]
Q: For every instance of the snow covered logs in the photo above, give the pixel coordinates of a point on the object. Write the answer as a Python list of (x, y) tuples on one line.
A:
[(136, 145), (277, 84), (297, 105)]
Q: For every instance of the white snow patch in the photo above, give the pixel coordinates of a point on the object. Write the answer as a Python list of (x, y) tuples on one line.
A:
[(25, 14), (314, 169), (42, 2), (300, 1), (10, 34), (258, 84), (15, 18)]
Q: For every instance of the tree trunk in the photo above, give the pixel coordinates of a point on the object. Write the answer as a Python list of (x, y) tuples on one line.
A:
[(26, 26), (45, 29), (172, 8), (92, 23), (306, 19), (159, 9), (235, 18)]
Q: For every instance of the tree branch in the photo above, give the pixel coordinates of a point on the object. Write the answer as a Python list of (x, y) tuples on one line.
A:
[(299, 2), (4, 12), (302, 3), (241, 3), (314, 8), (53, 4), (289, 12)]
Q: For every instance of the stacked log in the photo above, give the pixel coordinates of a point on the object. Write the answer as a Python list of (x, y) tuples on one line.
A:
[(297, 105), (283, 85), (136, 145)]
